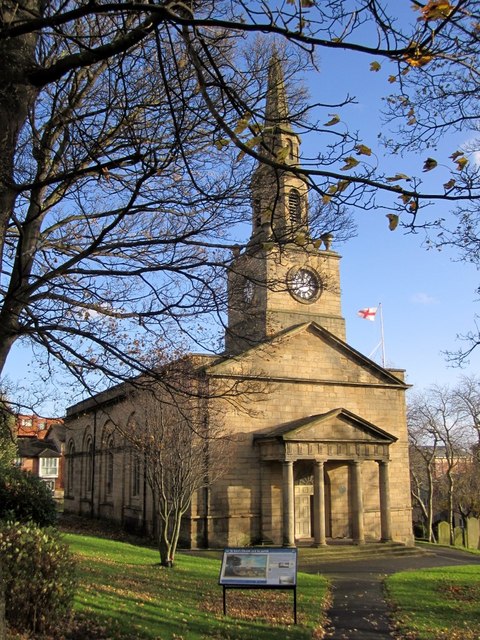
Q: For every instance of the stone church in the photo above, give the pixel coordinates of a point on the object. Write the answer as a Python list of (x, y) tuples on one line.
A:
[(321, 453)]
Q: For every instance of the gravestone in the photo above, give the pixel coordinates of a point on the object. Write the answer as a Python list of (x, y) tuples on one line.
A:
[(473, 533), (458, 537), (443, 533)]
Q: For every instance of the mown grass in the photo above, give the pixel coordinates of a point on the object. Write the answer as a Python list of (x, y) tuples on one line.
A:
[(437, 604), (124, 593)]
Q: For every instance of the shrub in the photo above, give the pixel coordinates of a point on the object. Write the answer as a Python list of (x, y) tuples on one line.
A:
[(24, 497), (39, 577)]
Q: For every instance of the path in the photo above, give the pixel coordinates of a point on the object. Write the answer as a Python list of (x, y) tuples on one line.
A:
[(359, 610)]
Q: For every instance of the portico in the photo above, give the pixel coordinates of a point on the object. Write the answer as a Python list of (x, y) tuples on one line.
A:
[(310, 451)]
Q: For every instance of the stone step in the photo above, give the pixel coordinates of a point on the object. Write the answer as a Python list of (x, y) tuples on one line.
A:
[(344, 551)]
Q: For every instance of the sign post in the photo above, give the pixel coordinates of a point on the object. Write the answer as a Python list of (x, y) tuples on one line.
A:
[(259, 568)]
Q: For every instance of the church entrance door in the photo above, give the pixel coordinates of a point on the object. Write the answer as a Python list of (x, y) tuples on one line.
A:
[(303, 510)]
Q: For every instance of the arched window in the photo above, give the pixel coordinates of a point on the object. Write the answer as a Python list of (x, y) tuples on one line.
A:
[(292, 151), (70, 469), (109, 467), (294, 207), (135, 480), (88, 466)]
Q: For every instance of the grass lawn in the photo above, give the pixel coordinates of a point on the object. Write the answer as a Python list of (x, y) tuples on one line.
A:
[(437, 604), (124, 593)]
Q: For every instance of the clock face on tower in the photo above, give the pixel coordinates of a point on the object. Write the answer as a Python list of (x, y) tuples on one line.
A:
[(304, 284)]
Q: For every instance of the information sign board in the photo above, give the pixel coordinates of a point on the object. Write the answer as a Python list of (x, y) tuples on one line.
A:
[(269, 567)]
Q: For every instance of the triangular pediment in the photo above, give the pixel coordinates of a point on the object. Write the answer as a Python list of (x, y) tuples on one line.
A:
[(307, 352), (332, 426)]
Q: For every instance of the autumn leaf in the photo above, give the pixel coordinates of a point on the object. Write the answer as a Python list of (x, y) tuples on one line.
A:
[(449, 185), (335, 120), (252, 142), (418, 57), (283, 153), (392, 79), (392, 221), (363, 150), (242, 124), (429, 164), (342, 185), (375, 66), (333, 189), (461, 163), (350, 162), (413, 206), (222, 142), (418, 60), (436, 10), (398, 176)]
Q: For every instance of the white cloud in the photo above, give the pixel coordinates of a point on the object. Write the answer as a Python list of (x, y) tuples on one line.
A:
[(423, 298)]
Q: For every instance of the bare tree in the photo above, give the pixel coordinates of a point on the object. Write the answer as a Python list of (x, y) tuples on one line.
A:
[(181, 449), (467, 488), (423, 451), (127, 129), (443, 433)]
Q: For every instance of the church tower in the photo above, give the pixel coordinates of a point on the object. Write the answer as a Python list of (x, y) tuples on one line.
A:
[(284, 277)]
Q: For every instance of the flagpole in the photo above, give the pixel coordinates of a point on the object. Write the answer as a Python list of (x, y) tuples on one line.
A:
[(382, 334)]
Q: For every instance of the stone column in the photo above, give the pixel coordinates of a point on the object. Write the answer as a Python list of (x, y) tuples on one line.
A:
[(288, 505), (319, 504), (385, 519), (357, 503)]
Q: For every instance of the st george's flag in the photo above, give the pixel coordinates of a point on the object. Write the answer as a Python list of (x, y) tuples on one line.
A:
[(368, 313)]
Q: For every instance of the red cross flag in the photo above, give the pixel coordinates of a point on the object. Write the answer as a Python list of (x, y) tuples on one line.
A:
[(368, 314)]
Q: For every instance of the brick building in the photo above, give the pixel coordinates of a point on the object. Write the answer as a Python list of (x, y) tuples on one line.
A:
[(40, 444), (322, 452)]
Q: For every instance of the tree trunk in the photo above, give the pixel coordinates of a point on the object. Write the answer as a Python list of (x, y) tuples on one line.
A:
[(164, 543), (431, 535), (164, 549), (17, 95), (450, 508)]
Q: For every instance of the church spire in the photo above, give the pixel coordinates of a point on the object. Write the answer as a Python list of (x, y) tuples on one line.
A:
[(279, 196), (276, 108)]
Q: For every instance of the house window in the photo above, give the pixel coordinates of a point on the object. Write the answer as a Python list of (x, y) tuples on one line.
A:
[(294, 207), (48, 468)]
